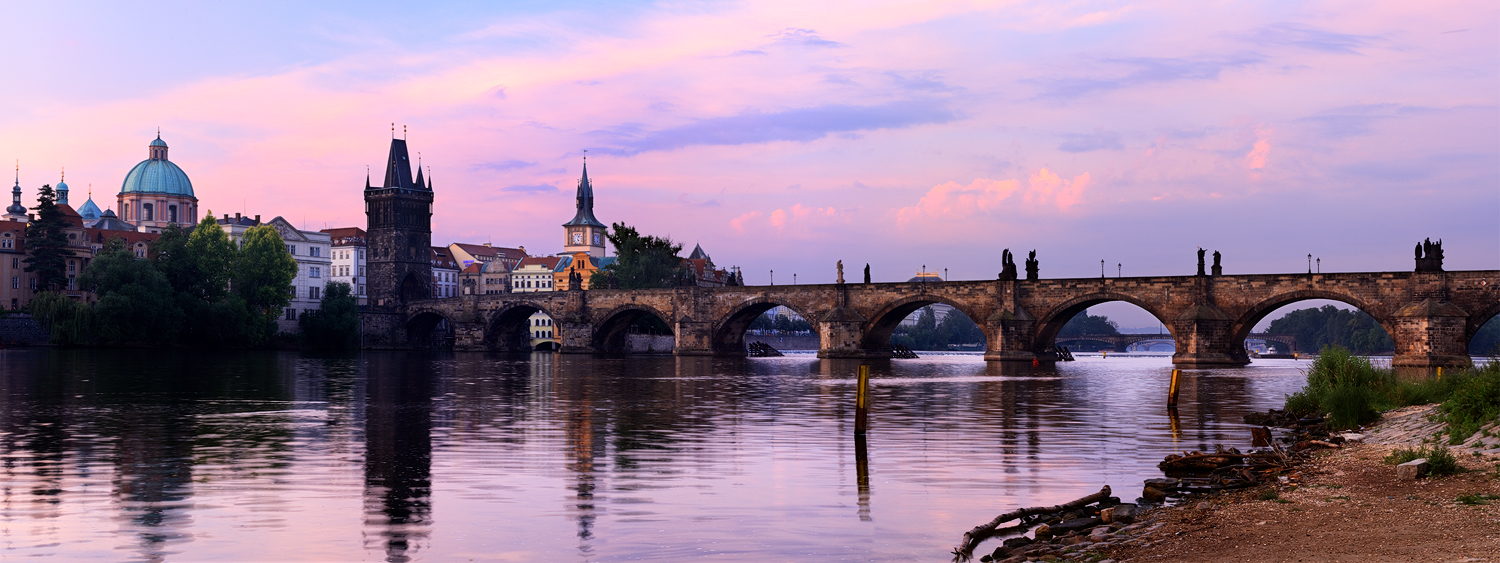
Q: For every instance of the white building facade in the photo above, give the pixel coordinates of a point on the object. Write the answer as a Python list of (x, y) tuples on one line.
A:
[(311, 250), (348, 248)]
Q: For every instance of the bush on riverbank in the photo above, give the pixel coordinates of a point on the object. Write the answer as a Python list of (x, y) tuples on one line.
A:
[(1352, 392), (1439, 460)]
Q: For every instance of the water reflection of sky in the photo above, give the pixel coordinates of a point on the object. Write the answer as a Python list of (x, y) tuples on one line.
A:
[(132, 455)]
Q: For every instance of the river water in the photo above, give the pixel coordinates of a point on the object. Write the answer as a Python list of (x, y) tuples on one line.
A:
[(165, 455)]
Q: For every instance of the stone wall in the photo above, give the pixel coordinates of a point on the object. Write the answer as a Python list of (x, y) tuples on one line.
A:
[(21, 330), (649, 344)]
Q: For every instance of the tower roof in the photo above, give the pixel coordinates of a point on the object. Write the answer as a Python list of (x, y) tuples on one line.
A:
[(698, 253), (585, 214), (398, 168), (157, 175)]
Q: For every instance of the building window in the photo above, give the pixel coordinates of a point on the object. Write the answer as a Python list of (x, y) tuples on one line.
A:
[(361, 255), (72, 283), (33, 284), (314, 251), (312, 293), (315, 272), (15, 282), (292, 292), (361, 270), (72, 266), (291, 314), (291, 249), (148, 212), (7, 243), (361, 290), (15, 262), (172, 213)]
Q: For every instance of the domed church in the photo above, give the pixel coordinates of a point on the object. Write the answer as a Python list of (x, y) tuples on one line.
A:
[(157, 193)]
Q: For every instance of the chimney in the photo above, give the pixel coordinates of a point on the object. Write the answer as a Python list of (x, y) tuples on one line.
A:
[(226, 217), (257, 219), (236, 217), (486, 244)]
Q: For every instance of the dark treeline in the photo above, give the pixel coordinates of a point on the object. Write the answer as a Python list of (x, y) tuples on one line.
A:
[(929, 334), (1319, 328), (194, 288), (1084, 323), (782, 324)]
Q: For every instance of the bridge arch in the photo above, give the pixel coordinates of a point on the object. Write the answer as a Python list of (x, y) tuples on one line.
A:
[(880, 326), (1476, 323), (1051, 322), (613, 326), (508, 329), (1252, 316), (729, 329), (428, 328)]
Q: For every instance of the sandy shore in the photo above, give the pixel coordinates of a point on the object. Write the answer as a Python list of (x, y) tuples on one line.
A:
[(1348, 507)]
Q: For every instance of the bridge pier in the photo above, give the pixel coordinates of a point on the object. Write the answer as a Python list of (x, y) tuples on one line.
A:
[(1431, 333), (574, 336), (468, 336), (1205, 337), (693, 338), (841, 335), (1009, 337)]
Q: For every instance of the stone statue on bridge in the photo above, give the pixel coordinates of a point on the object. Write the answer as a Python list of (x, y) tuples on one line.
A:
[(841, 272), (1007, 266), (867, 272), (1201, 252), (1433, 261), (1218, 270), (1033, 266)]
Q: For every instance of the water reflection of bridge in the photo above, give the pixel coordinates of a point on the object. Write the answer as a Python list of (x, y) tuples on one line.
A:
[(1124, 342)]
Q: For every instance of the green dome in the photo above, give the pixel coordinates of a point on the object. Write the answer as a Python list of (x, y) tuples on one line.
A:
[(157, 175)]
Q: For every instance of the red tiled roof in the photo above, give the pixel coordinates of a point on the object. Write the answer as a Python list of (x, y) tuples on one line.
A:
[(496, 251)]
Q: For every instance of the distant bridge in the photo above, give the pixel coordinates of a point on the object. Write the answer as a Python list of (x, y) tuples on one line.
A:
[(1430, 315), (1123, 342)]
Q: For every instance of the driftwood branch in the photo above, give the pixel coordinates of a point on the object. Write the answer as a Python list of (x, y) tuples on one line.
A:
[(965, 550)]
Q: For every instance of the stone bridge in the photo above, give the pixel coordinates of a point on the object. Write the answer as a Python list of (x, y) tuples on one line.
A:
[(1122, 342), (1430, 315)]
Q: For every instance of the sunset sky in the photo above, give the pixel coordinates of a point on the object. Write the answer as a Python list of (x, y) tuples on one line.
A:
[(790, 135)]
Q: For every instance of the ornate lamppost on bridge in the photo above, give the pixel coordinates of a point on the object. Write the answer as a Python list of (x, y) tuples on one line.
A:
[(773, 277), (1101, 269), (1120, 270), (1309, 263)]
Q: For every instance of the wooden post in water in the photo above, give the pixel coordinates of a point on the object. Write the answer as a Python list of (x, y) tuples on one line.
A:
[(862, 401), (1172, 393)]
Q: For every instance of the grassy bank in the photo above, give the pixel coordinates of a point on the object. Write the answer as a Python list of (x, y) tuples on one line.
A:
[(1352, 392)]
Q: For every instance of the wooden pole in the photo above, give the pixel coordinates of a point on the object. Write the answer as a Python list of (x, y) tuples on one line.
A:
[(1172, 393), (862, 401)]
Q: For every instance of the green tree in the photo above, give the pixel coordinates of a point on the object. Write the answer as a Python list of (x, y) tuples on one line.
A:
[(642, 261), (46, 243), (335, 325), (69, 322), (1084, 323), (1328, 325), (263, 279), (928, 333), (136, 303)]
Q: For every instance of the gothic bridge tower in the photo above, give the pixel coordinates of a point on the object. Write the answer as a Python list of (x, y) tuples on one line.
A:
[(399, 233)]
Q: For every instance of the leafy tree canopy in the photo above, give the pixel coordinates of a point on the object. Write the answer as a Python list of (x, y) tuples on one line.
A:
[(1318, 328), (335, 325), (264, 275), (642, 261), (928, 333), (1084, 323)]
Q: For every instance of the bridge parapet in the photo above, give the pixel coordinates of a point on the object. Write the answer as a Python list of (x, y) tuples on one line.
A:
[(1430, 315)]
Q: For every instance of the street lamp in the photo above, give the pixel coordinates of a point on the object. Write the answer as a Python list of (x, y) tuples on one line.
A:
[(1101, 269), (773, 277), (1309, 263), (1320, 265), (1119, 270)]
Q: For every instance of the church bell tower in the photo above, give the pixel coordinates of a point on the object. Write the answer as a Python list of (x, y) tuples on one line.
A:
[(584, 233), (398, 231)]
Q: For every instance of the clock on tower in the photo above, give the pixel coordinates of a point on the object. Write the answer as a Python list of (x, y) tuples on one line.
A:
[(577, 238)]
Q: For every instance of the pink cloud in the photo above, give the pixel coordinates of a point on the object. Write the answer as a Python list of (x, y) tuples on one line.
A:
[(951, 201), (1256, 159), (738, 223)]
